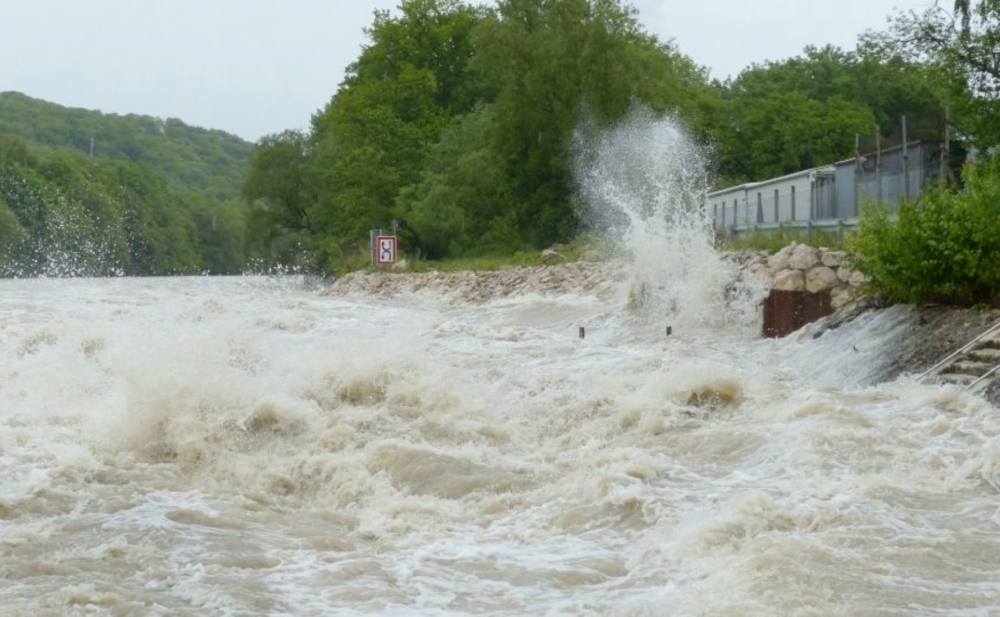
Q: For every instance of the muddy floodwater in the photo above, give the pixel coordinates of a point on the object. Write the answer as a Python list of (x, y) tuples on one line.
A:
[(250, 446)]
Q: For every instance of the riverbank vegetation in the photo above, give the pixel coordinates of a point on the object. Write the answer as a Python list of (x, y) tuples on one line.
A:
[(458, 122), (944, 248)]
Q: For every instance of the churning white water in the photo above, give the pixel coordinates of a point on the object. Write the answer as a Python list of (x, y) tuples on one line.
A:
[(644, 181), (248, 446)]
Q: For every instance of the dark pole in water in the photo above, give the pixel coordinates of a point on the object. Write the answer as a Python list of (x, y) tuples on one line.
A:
[(670, 330), (582, 333)]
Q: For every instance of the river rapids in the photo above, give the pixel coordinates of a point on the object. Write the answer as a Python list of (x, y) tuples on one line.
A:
[(253, 446)]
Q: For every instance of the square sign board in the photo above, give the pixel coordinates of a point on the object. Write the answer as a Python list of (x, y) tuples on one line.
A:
[(385, 250)]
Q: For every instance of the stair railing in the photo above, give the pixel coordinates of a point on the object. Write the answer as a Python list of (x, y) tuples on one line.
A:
[(984, 376), (959, 352)]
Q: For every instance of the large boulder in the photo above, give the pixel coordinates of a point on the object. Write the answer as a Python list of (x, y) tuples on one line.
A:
[(844, 274), (834, 259), (779, 261), (841, 296), (549, 256), (756, 272), (821, 279), (857, 279), (804, 257), (790, 280)]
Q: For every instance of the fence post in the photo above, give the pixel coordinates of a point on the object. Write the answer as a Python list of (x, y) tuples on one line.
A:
[(906, 164), (945, 146)]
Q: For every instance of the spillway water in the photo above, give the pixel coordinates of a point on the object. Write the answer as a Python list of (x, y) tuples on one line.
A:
[(249, 446)]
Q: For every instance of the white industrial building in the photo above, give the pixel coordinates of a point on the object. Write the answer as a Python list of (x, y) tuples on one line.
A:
[(829, 196)]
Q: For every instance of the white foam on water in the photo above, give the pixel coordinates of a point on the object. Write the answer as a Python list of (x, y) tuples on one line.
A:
[(644, 180), (182, 446)]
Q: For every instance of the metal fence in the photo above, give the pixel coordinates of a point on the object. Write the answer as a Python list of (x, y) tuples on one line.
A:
[(829, 199)]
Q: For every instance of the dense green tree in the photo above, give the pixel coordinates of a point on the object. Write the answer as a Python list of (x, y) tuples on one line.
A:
[(276, 181), (14, 238), (460, 206), (944, 249), (784, 133), (557, 61), (146, 199), (805, 111), (960, 44), (371, 140)]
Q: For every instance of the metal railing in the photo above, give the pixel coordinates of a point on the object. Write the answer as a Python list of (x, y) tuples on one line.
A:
[(806, 227), (961, 351)]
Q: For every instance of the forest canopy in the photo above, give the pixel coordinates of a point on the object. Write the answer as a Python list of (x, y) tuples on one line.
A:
[(89, 194), (457, 121)]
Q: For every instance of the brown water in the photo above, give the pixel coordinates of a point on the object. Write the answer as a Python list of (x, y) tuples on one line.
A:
[(246, 446)]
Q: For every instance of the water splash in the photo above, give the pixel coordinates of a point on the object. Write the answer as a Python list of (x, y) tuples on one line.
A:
[(643, 181)]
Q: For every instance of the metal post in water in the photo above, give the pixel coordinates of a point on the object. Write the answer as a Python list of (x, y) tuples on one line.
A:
[(582, 332), (670, 330)]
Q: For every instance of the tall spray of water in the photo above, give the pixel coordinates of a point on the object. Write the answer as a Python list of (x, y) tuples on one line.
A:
[(643, 181)]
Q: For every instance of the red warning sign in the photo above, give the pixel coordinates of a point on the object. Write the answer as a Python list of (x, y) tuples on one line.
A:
[(385, 250)]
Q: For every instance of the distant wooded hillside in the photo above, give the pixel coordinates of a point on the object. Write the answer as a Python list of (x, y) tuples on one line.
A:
[(146, 197), (209, 162)]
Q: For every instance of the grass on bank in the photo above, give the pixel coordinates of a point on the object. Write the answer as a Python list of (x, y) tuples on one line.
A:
[(773, 240), (591, 245)]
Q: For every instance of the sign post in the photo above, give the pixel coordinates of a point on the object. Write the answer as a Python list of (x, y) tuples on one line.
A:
[(385, 250)]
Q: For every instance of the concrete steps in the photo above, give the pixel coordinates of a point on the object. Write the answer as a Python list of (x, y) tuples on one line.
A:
[(975, 366)]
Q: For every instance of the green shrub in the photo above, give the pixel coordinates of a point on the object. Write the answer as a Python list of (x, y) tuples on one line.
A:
[(945, 248)]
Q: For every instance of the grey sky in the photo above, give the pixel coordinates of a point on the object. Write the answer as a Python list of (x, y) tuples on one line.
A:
[(253, 67)]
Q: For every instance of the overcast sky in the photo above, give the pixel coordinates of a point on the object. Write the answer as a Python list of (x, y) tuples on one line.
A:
[(254, 67)]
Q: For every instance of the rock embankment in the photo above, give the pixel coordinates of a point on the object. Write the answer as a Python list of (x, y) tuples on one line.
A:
[(597, 278), (797, 267)]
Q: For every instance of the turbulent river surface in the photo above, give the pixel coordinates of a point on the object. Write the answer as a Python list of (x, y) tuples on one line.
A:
[(250, 446)]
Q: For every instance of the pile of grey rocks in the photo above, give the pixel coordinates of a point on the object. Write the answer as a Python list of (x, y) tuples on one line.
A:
[(599, 278)]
